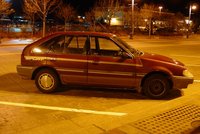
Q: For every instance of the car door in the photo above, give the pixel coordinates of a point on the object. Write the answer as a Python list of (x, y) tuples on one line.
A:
[(107, 67), (68, 56)]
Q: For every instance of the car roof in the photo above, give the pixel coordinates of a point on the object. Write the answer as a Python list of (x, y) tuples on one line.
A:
[(84, 33)]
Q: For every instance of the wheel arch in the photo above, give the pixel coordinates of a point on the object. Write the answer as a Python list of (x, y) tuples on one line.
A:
[(168, 76), (43, 68)]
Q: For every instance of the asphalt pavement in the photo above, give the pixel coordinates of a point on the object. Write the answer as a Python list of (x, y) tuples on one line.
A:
[(180, 115)]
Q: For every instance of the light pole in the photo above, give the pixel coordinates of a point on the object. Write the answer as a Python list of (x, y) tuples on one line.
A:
[(132, 20), (192, 7)]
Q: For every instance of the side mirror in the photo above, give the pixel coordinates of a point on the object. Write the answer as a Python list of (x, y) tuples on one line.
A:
[(124, 55)]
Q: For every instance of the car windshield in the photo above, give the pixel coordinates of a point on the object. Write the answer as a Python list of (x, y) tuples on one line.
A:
[(122, 42)]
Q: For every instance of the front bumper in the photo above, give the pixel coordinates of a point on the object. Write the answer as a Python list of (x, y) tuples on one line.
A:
[(180, 82), (25, 71)]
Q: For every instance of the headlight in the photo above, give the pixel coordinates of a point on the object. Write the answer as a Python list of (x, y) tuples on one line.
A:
[(187, 73)]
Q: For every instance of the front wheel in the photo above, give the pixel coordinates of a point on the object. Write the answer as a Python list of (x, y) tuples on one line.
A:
[(156, 86), (47, 81)]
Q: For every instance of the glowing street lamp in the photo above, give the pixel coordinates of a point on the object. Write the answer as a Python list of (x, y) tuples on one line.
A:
[(160, 9), (187, 21)]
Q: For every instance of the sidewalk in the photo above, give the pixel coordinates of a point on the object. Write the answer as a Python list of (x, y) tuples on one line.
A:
[(17, 41), (180, 115)]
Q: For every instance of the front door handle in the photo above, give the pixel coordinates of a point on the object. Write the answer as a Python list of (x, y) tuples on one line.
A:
[(51, 59), (95, 62)]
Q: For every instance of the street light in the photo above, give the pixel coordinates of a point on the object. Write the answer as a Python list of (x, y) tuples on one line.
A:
[(132, 19), (192, 7), (160, 9)]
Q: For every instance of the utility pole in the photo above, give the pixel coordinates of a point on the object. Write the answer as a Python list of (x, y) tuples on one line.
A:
[(132, 20), (192, 7)]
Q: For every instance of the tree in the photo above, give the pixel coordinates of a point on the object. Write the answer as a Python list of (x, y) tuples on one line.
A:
[(177, 18), (30, 12), (109, 8), (66, 12), (5, 8), (43, 8), (149, 12), (90, 17), (103, 9)]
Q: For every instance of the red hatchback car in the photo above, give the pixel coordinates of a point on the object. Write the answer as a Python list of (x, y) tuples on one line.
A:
[(99, 59)]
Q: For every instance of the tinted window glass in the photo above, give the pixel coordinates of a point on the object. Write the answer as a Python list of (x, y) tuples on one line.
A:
[(107, 44), (63, 44), (76, 45), (103, 46), (93, 46), (54, 45), (92, 43)]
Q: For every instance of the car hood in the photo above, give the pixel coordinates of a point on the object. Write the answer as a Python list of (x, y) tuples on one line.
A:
[(159, 58)]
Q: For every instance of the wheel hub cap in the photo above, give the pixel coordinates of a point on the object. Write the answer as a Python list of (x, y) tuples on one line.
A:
[(46, 81)]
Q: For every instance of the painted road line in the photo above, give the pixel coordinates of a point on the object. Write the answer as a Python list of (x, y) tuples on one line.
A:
[(198, 81), (189, 56), (192, 65), (5, 54), (62, 109)]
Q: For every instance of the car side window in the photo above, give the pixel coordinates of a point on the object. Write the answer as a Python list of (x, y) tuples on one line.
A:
[(107, 47), (94, 47), (107, 44), (54, 45), (63, 44), (58, 45), (76, 45)]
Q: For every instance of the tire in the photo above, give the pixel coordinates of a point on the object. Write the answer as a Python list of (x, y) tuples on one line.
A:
[(47, 81), (156, 86)]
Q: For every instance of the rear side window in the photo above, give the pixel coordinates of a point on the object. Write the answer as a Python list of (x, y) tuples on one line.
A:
[(54, 45), (65, 44)]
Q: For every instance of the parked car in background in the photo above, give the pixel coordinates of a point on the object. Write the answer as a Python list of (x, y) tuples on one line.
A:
[(167, 31), (99, 59)]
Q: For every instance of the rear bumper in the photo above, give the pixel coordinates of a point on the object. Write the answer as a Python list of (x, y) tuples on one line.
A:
[(180, 82), (25, 71)]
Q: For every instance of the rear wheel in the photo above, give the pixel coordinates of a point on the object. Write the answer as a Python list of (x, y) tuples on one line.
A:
[(156, 86), (47, 81)]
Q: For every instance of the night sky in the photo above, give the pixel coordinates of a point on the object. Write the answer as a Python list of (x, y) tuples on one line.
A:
[(81, 5), (85, 5), (173, 5)]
